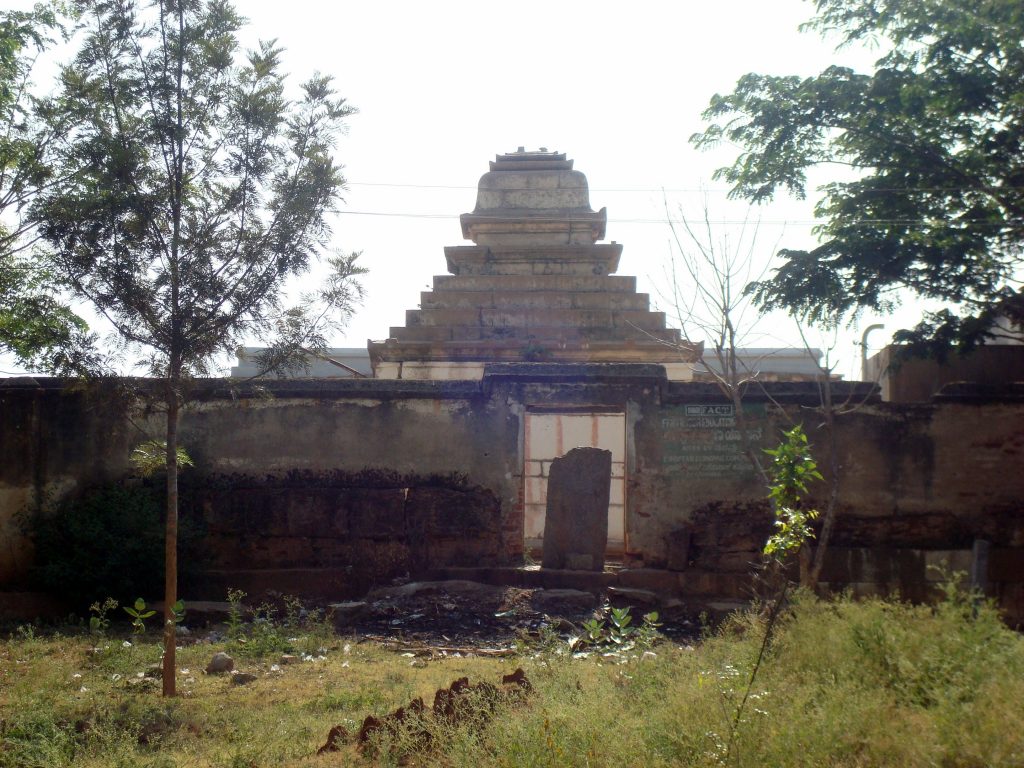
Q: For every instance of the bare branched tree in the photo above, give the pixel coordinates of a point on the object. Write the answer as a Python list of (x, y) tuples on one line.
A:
[(718, 268)]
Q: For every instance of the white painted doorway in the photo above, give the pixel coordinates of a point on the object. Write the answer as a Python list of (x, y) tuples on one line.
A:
[(552, 435)]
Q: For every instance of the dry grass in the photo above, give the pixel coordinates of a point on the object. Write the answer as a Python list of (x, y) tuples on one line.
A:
[(847, 684)]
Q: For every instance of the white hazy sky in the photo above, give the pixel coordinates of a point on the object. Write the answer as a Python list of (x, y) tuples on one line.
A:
[(442, 87)]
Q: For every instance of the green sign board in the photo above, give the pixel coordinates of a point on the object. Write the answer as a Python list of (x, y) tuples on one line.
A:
[(704, 440)]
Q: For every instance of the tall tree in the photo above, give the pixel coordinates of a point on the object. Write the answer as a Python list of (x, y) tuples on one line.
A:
[(935, 140), (191, 189), (35, 324)]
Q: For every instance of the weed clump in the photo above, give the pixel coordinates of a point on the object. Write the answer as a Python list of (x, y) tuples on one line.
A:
[(275, 627)]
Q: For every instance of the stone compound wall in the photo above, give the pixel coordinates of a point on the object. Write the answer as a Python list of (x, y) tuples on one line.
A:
[(918, 486), (330, 485), (323, 487), (336, 534)]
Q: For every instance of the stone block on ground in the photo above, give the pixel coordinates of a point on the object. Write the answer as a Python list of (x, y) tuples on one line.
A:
[(627, 596), (555, 601), (653, 579), (347, 612), (591, 581), (576, 521), (220, 664), (242, 678)]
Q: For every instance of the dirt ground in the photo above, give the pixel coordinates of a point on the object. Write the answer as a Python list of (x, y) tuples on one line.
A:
[(472, 615)]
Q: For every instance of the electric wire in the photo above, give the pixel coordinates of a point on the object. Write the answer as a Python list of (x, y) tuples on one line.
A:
[(662, 221), (715, 190)]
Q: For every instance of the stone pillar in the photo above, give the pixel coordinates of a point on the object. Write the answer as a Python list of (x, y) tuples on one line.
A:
[(576, 522)]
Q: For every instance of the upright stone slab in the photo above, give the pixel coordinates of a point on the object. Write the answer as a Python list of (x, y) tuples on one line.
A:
[(576, 522)]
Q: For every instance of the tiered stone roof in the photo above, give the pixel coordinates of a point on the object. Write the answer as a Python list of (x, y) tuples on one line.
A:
[(535, 286)]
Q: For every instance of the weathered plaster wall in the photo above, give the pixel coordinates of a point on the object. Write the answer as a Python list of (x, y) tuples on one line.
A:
[(379, 477), (910, 475), (53, 442), (428, 443), (918, 484)]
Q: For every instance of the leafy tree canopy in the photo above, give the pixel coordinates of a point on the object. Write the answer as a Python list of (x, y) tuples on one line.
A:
[(189, 189), (35, 324), (935, 137)]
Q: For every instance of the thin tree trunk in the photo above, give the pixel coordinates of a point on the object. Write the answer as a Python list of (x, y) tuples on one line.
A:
[(174, 368), (804, 562), (171, 544)]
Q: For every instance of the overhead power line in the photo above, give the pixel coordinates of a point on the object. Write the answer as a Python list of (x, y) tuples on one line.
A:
[(716, 190), (521, 189), (662, 221)]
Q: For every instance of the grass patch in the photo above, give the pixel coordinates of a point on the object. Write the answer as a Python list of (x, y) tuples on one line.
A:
[(845, 684)]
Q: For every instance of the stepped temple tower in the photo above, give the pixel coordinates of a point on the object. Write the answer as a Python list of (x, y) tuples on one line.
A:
[(535, 286)]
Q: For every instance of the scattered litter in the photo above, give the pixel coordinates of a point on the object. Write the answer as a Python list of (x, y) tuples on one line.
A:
[(465, 616)]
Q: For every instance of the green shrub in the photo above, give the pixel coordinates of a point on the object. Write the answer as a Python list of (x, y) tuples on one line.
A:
[(108, 543)]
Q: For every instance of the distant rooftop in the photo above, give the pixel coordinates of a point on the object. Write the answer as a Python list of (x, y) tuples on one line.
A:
[(336, 363)]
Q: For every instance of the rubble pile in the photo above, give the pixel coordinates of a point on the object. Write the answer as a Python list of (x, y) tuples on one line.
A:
[(459, 704)]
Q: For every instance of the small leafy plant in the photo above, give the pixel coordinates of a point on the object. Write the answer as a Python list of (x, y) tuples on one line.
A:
[(99, 622), (139, 613), (617, 631), (792, 468), (235, 628), (178, 612)]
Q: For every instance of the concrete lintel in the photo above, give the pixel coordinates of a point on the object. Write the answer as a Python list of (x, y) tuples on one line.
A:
[(535, 227), (324, 389), (328, 389), (510, 163), (538, 283), (478, 259), (573, 371)]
